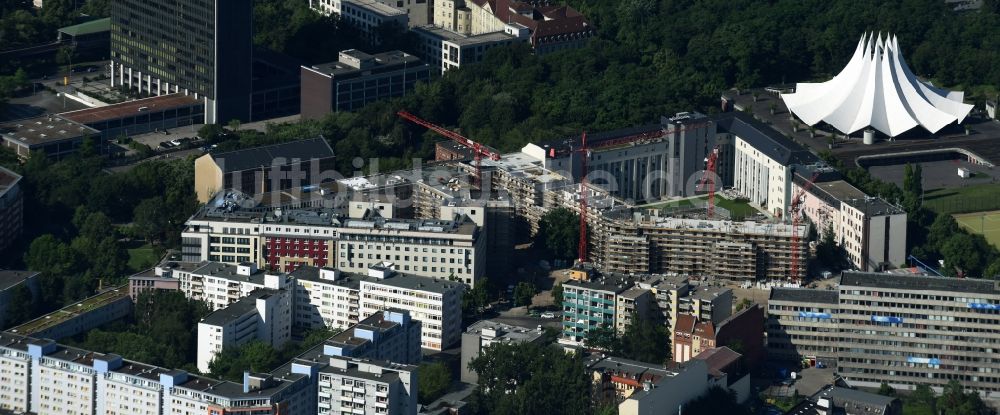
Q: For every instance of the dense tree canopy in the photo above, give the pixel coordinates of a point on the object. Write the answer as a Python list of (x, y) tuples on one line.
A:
[(434, 380), (529, 379), (559, 233), (645, 340)]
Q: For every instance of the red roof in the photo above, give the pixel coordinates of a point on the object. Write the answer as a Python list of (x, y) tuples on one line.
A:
[(544, 21), (116, 111)]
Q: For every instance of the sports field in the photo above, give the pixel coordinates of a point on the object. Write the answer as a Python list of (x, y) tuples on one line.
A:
[(985, 223)]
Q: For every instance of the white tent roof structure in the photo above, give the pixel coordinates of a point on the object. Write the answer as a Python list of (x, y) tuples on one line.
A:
[(877, 89)]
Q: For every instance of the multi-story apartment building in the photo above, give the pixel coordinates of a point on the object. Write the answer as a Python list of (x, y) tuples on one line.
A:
[(357, 79), (634, 301), (264, 315), (326, 297), (11, 208), (589, 305), (368, 16), (444, 249), (802, 323), (389, 335), (200, 48), (902, 330), (40, 376), (355, 386), (485, 333), (713, 304), (284, 240), (435, 303), (744, 250), (764, 161), (871, 230), (220, 285)]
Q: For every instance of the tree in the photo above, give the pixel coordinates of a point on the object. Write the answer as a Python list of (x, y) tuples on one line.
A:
[(557, 294), (151, 218), (231, 362), (234, 124), (211, 133), (955, 401), (523, 293), (559, 232), (51, 256), (885, 390), (434, 380), (743, 304), (21, 306), (645, 340), (923, 394), (475, 299), (603, 337), (529, 379)]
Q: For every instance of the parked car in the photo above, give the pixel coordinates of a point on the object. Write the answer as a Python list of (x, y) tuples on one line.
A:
[(167, 144), (548, 314), (176, 142)]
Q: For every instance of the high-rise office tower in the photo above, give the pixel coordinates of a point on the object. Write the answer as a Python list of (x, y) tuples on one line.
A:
[(198, 47)]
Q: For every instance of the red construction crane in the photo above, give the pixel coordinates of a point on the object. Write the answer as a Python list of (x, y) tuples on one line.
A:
[(708, 179), (793, 212), (478, 150), (581, 246)]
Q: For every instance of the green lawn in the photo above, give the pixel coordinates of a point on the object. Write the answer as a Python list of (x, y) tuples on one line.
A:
[(975, 198), (983, 223), (141, 257)]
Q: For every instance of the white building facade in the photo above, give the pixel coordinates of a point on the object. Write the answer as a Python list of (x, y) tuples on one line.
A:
[(436, 304)]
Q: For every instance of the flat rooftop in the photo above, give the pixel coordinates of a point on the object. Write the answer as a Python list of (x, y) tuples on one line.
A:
[(918, 283), (7, 180), (723, 226), (238, 309), (505, 331), (9, 279), (229, 272), (44, 130), (804, 295), (418, 283), (384, 61), (131, 108), (376, 7), (59, 316)]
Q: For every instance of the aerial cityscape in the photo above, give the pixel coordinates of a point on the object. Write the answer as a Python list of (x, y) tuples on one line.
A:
[(478, 207)]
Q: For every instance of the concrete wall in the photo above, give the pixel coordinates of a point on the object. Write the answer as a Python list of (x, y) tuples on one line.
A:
[(207, 178)]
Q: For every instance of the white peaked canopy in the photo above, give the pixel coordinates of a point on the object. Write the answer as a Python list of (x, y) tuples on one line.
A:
[(877, 89)]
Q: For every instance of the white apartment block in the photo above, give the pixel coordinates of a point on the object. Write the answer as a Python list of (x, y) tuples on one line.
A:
[(220, 285), (62, 381), (15, 375), (763, 161), (133, 388), (434, 248), (264, 315), (436, 304), (430, 248), (354, 386), (871, 230), (390, 335), (43, 377), (326, 297), (220, 240)]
